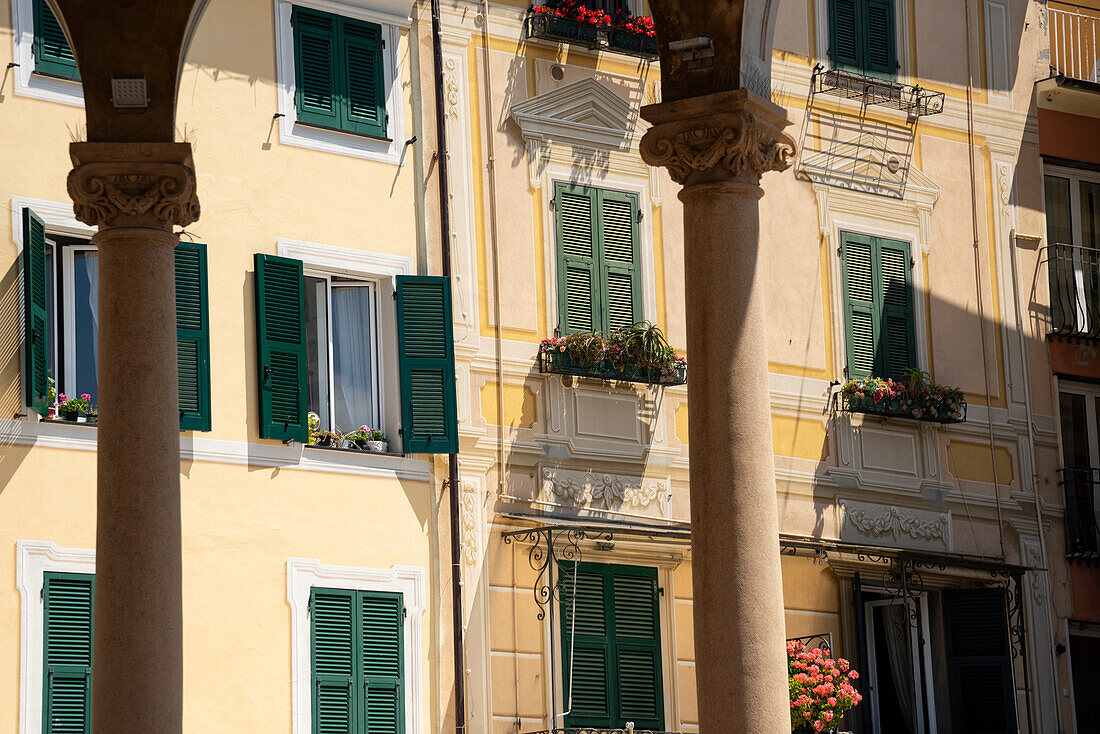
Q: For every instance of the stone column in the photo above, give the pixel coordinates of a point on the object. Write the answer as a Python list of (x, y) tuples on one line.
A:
[(135, 193), (718, 146)]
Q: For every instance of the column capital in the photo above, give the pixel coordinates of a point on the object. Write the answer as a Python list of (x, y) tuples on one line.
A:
[(732, 136), (133, 184)]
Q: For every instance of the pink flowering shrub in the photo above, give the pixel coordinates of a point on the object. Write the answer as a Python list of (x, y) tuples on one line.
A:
[(80, 405), (821, 688), (915, 396)]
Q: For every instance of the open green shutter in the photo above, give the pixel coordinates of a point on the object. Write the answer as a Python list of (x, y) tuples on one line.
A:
[(429, 413), (585, 631), (879, 54), (619, 266), (361, 78), (637, 647), (382, 617), (578, 277), (845, 36), (193, 336), (316, 92), (68, 600), (333, 653), (860, 304), (896, 326), (280, 328), (52, 53), (35, 314), (979, 661)]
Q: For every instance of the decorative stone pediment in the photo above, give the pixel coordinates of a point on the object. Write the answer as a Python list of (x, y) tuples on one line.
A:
[(603, 492), (901, 527), (861, 163), (585, 113)]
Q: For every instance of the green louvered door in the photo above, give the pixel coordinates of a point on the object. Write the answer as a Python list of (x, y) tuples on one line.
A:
[(979, 661), (878, 306), (361, 57), (316, 94), (280, 317), (429, 413), (52, 53), (357, 661), (578, 277), (67, 653), (845, 36), (862, 37), (879, 45), (193, 336), (36, 324), (619, 271), (382, 618), (613, 630)]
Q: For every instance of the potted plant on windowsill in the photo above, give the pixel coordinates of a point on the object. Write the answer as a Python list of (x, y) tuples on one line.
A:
[(638, 353), (92, 416), (915, 396), (821, 688), (568, 20), (72, 409), (320, 437), (51, 398), (633, 34), (367, 439)]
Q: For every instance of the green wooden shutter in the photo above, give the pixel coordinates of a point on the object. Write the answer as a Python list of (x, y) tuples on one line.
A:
[(193, 336), (52, 53), (35, 313), (68, 600), (333, 653), (361, 78), (620, 270), (578, 277), (586, 633), (382, 617), (614, 629), (316, 92), (845, 36), (429, 413), (896, 325), (281, 354), (879, 54), (979, 662), (860, 304)]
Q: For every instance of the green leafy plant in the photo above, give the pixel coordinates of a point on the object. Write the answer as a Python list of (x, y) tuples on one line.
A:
[(639, 353), (73, 406), (915, 395), (319, 436), (359, 437)]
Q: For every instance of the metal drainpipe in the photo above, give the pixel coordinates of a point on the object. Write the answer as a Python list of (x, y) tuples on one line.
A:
[(452, 459)]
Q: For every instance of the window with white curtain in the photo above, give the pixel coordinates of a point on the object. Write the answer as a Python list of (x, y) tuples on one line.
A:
[(72, 298), (342, 351)]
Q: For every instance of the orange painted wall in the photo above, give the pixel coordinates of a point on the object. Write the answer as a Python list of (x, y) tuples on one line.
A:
[(1073, 137), (1085, 580)]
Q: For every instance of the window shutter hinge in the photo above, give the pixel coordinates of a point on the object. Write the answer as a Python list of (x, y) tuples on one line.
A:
[(404, 613), (641, 216), (552, 204), (660, 591), (42, 593)]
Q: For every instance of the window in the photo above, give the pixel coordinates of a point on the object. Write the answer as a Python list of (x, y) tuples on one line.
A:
[(599, 273), (862, 37), (1079, 412), (878, 306), (319, 350), (357, 661), (1072, 202), (611, 638), (67, 652), (339, 77), (60, 276), (52, 54)]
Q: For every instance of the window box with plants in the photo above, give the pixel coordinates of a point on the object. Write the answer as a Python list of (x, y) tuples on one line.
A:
[(363, 438), (638, 353), (571, 21), (914, 397)]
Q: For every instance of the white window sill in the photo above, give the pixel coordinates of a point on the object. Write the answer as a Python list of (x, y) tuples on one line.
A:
[(341, 143), (48, 88)]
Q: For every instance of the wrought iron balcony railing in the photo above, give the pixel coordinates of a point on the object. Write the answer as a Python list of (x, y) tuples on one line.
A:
[(605, 38), (1082, 490), (1074, 275), (913, 100), (1074, 40), (599, 730)]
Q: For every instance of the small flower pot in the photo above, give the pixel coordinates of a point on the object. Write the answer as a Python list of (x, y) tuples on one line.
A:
[(633, 42), (92, 419), (69, 415), (51, 412), (378, 447), (326, 442)]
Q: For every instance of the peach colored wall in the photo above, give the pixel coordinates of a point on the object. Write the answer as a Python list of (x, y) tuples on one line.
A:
[(1073, 137)]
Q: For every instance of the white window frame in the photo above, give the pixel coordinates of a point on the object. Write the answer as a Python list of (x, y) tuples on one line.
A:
[(923, 684), (33, 558), (28, 83), (304, 574), (68, 302), (335, 141), (1091, 394), (377, 395), (1075, 176)]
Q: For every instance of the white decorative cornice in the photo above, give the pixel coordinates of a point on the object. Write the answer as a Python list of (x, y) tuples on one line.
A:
[(601, 491), (585, 113), (860, 521)]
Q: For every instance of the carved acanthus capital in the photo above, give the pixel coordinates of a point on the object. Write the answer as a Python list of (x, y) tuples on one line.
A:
[(133, 184), (731, 136)]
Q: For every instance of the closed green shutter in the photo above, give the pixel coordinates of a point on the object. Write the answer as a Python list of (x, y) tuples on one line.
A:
[(68, 600), (281, 357), (897, 308), (429, 413), (619, 267), (317, 93), (35, 314), (860, 304), (613, 630), (362, 75), (879, 46), (844, 34), (382, 616), (193, 336), (578, 277), (979, 662), (333, 644), (52, 53)]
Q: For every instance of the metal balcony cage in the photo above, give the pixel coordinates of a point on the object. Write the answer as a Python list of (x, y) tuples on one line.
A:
[(1074, 278), (915, 101), (1081, 486), (603, 38)]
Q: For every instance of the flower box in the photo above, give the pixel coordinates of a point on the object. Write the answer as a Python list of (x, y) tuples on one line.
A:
[(569, 21), (632, 42), (561, 363), (554, 28), (914, 398)]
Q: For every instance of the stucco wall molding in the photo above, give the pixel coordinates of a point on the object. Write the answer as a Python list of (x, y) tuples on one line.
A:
[(914, 528), (604, 491)]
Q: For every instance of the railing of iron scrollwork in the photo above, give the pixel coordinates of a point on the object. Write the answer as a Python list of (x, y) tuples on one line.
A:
[(547, 547), (597, 730), (1074, 275), (825, 641), (1081, 486)]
